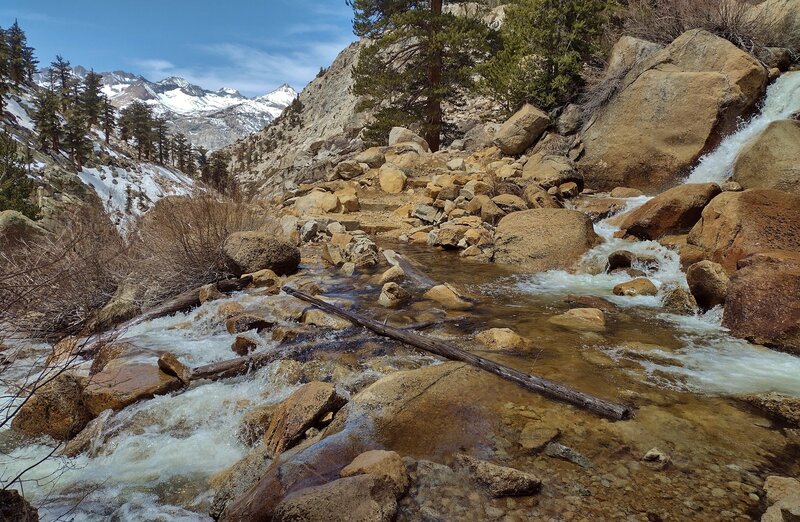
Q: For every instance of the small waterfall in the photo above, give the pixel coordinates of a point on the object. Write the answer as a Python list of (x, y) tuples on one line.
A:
[(782, 100)]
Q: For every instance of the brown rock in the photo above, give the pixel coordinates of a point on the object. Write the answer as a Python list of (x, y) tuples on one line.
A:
[(590, 301), (108, 353), (626, 192), (510, 202), (246, 322), (669, 111), (501, 481), (56, 409), (763, 301), (230, 309), (536, 435), (708, 283), (317, 202), (544, 239), (537, 197), (170, 365), (392, 179), (88, 439), (255, 423), (678, 300), (209, 292), (583, 319), (638, 286), (552, 171), (305, 407), (737, 224), (14, 507), (118, 387), (248, 252), (772, 159), (501, 339), (236, 480), (319, 318), (362, 498), (522, 130), (381, 464), (243, 345), (448, 296), (392, 295), (778, 488), (673, 211)]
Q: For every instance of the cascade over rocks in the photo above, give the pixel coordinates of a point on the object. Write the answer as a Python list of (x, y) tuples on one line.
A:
[(671, 109), (521, 130), (772, 159), (763, 300), (675, 210), (737, 224), (249, 252), (544, 239)]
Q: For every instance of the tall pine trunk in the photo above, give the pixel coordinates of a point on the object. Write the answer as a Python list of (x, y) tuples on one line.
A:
[(433, 124)]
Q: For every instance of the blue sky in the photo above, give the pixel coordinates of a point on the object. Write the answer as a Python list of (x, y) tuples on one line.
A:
[(251, 45)]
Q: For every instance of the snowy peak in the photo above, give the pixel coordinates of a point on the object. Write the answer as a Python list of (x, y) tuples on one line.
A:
[(282, 96)]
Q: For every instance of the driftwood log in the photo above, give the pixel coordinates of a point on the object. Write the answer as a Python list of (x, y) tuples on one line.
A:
[(534, 383)]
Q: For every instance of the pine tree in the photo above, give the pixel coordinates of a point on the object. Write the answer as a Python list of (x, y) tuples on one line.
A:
[(22, 63), (161, 134), (91, 98), (46, 120), (420, 57), (180, 151), (75, 140), (218, 176), (4, 70), (545, 45), (15, 185), (136, 122), (202, 163), (61, 72), (108, 119)]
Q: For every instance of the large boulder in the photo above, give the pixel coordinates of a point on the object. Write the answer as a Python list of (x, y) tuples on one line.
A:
[(119, 386), (56, 409), (317, 202), (670, 110), (304, 408), (521, 130), (772, 159), (737, 224), (544, 239), (673, 211), (16, 228), (550, 171), (249, 252), (362, 498), (708, 283), (401, 135), (392, 179), (763, 300)]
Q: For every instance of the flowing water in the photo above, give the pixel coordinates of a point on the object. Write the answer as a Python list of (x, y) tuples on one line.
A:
[(155, 459)]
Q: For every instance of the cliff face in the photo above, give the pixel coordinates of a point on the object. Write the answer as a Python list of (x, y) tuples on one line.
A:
[(310, 136)]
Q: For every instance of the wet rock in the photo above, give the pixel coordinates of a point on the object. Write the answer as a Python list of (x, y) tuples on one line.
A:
[(319, 318), (559, 451), (763, 301), (392, 179), (590, 301), (373, 157), (305, 407), (237, 479), (209, 293), (522, 130), (255, 423), (502, 339), (14, 507), (782, 408), (362, 497), (108, 353), (626, 192), (638, 286), (708, 283), (393, 295), (673, 211), (381, 464), (544, 239), (678, 300), (170, 365), (246, 322), (393, 274), (88, 440), (267, 279), (501, 481), (401, 135), (536, 435), (738, 224), (448, 296), (230, 309), (243, 345), (582, 319), (57, 409), (115, 388), (248, 252), (620, 259), (771, 159), (632, 141)]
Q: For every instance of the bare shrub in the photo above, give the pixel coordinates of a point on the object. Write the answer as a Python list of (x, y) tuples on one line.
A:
[(178, 244), (751, 29), (601, 86), (52, 286)]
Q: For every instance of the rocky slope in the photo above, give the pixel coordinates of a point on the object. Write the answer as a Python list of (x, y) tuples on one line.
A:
[(211, 119)]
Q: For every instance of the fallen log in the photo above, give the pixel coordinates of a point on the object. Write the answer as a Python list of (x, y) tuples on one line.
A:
[(540, 385), (180, 303)]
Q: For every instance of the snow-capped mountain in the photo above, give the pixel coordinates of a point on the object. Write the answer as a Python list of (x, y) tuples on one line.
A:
[(211, 119)]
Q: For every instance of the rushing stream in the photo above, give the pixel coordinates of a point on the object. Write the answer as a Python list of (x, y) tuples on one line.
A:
[(157, 456)]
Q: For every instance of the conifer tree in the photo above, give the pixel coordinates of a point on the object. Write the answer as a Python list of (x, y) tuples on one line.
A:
[(4, 70), (108, 119), (422, 55), (22, 63), (91, 98), (75, 140), (15, 185), (180, 151), (202, 163), (61, 72), (47, 120), (136, 122), (161, 140), (217, 169)]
